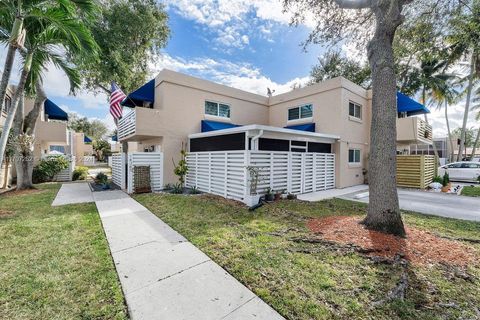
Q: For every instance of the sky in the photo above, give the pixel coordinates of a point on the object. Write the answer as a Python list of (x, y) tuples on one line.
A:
[(246, 44)]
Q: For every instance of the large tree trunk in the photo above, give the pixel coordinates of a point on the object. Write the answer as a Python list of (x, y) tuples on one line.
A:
[(7, 70), (16, 97), (477, 139), (467, 107), (27, 126), (450, 155), (383, 212)]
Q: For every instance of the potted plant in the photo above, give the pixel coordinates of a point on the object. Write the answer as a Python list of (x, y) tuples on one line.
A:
[(445, 182), (278, 195), (269, 196)]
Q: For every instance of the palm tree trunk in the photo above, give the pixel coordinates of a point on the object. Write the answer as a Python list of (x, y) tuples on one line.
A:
[(467, 107), (22, 156), (450, 155), (16, 97), (5, 177), (383, 213), (7, 70), (475, 145)]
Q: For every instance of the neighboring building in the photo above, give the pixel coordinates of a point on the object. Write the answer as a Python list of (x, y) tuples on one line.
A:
[(332, 117)]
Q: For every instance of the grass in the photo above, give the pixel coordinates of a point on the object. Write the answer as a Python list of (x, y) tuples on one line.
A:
[(325, 284), (55, 262), (471, 191)]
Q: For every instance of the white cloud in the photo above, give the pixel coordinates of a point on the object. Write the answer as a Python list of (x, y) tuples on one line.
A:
[(238, 75), (233, 22)]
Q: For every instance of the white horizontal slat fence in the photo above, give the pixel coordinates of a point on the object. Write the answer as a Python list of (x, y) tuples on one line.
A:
[(224, 172), (118, 169)]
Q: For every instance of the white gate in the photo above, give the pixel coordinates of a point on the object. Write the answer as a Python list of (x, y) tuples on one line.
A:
[(118, 169), (152, 159)]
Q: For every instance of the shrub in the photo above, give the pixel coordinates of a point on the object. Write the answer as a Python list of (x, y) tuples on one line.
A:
[(101, 178), (80, 173), (438, 179), (446, 179), (181, 169), (177, 188), (48, 167), (194, 190)]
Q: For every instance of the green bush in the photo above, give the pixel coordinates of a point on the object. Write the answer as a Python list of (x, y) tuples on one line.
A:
[(101, 178), (80, 173), (446, 179), (48, 167), (438, 179)]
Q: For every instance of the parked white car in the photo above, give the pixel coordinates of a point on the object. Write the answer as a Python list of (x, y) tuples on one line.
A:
[(461, 171)]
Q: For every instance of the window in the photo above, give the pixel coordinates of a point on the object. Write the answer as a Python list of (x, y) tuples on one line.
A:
[(354, 156), (7, 104), (470, 166), (454, 166), (302, 112), (355, 110), (217, 109)]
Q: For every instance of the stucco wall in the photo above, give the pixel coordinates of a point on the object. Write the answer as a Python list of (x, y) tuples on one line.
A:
[(330, 101)]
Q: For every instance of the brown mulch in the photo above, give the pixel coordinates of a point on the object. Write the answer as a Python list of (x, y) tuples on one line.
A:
[(420, 247)]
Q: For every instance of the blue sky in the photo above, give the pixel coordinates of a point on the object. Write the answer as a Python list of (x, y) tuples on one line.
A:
[(247, 44)]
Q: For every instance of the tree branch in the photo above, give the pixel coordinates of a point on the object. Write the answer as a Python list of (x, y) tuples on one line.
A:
[(354, 4), (104, 88)]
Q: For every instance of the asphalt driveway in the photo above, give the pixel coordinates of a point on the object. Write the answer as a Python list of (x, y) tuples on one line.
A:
[(438, 204)]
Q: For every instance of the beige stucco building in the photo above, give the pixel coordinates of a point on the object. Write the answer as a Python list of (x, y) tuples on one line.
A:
[(180, 105)]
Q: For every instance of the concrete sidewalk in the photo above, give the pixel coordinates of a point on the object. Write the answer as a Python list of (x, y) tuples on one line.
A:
[(164, 276), (71, 193)]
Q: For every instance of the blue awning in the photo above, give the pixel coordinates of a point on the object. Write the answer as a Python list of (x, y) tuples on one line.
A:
[(114, 138), (303, 127), (54, 112), (145, 93), (410, 106), (215, 125), (86, 139)]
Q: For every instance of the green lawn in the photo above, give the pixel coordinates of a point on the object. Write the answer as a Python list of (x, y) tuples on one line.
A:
[(471, 191), (55, 262), (314, 281)]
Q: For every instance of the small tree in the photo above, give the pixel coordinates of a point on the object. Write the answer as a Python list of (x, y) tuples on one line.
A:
[(101, 148), (181, 169)]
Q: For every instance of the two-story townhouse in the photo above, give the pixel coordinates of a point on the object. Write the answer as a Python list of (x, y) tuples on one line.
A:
[(332, 118)]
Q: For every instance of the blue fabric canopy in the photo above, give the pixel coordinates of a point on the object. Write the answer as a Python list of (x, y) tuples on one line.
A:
[(410, 106), (86, 139), (114, 138), (303, 127), (54, 112), (215, 125), (145, 93)]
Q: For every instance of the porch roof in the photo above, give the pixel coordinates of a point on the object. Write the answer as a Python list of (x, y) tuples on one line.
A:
[(410, 106), (53, 111), (145, 93), (271, 132)]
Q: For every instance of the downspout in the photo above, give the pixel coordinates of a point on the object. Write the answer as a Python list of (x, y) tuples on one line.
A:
[(255, 138)]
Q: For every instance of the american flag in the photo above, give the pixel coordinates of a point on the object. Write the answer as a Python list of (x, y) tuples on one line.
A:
[(116, 97)]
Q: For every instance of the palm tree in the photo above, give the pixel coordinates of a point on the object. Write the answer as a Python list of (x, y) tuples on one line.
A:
[(445, 95), (476, 106), (15, 16), (47, 41)]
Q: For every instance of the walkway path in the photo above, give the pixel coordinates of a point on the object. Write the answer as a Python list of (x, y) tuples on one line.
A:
[(164, 276)]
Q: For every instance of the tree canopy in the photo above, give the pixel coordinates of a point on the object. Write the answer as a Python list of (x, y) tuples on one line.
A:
[(94, 129), (131, 34)]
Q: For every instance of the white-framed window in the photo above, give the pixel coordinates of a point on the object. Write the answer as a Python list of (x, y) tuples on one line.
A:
[(300, 112), (217, 109), (354, 156), (355, 110)]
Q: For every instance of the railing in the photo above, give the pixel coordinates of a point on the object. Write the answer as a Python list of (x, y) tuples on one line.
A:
[(413, 129), (127, 125), (424, 130)]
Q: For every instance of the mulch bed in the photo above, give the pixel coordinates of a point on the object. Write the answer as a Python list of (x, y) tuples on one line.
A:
[(98, 187), (420, 247)]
